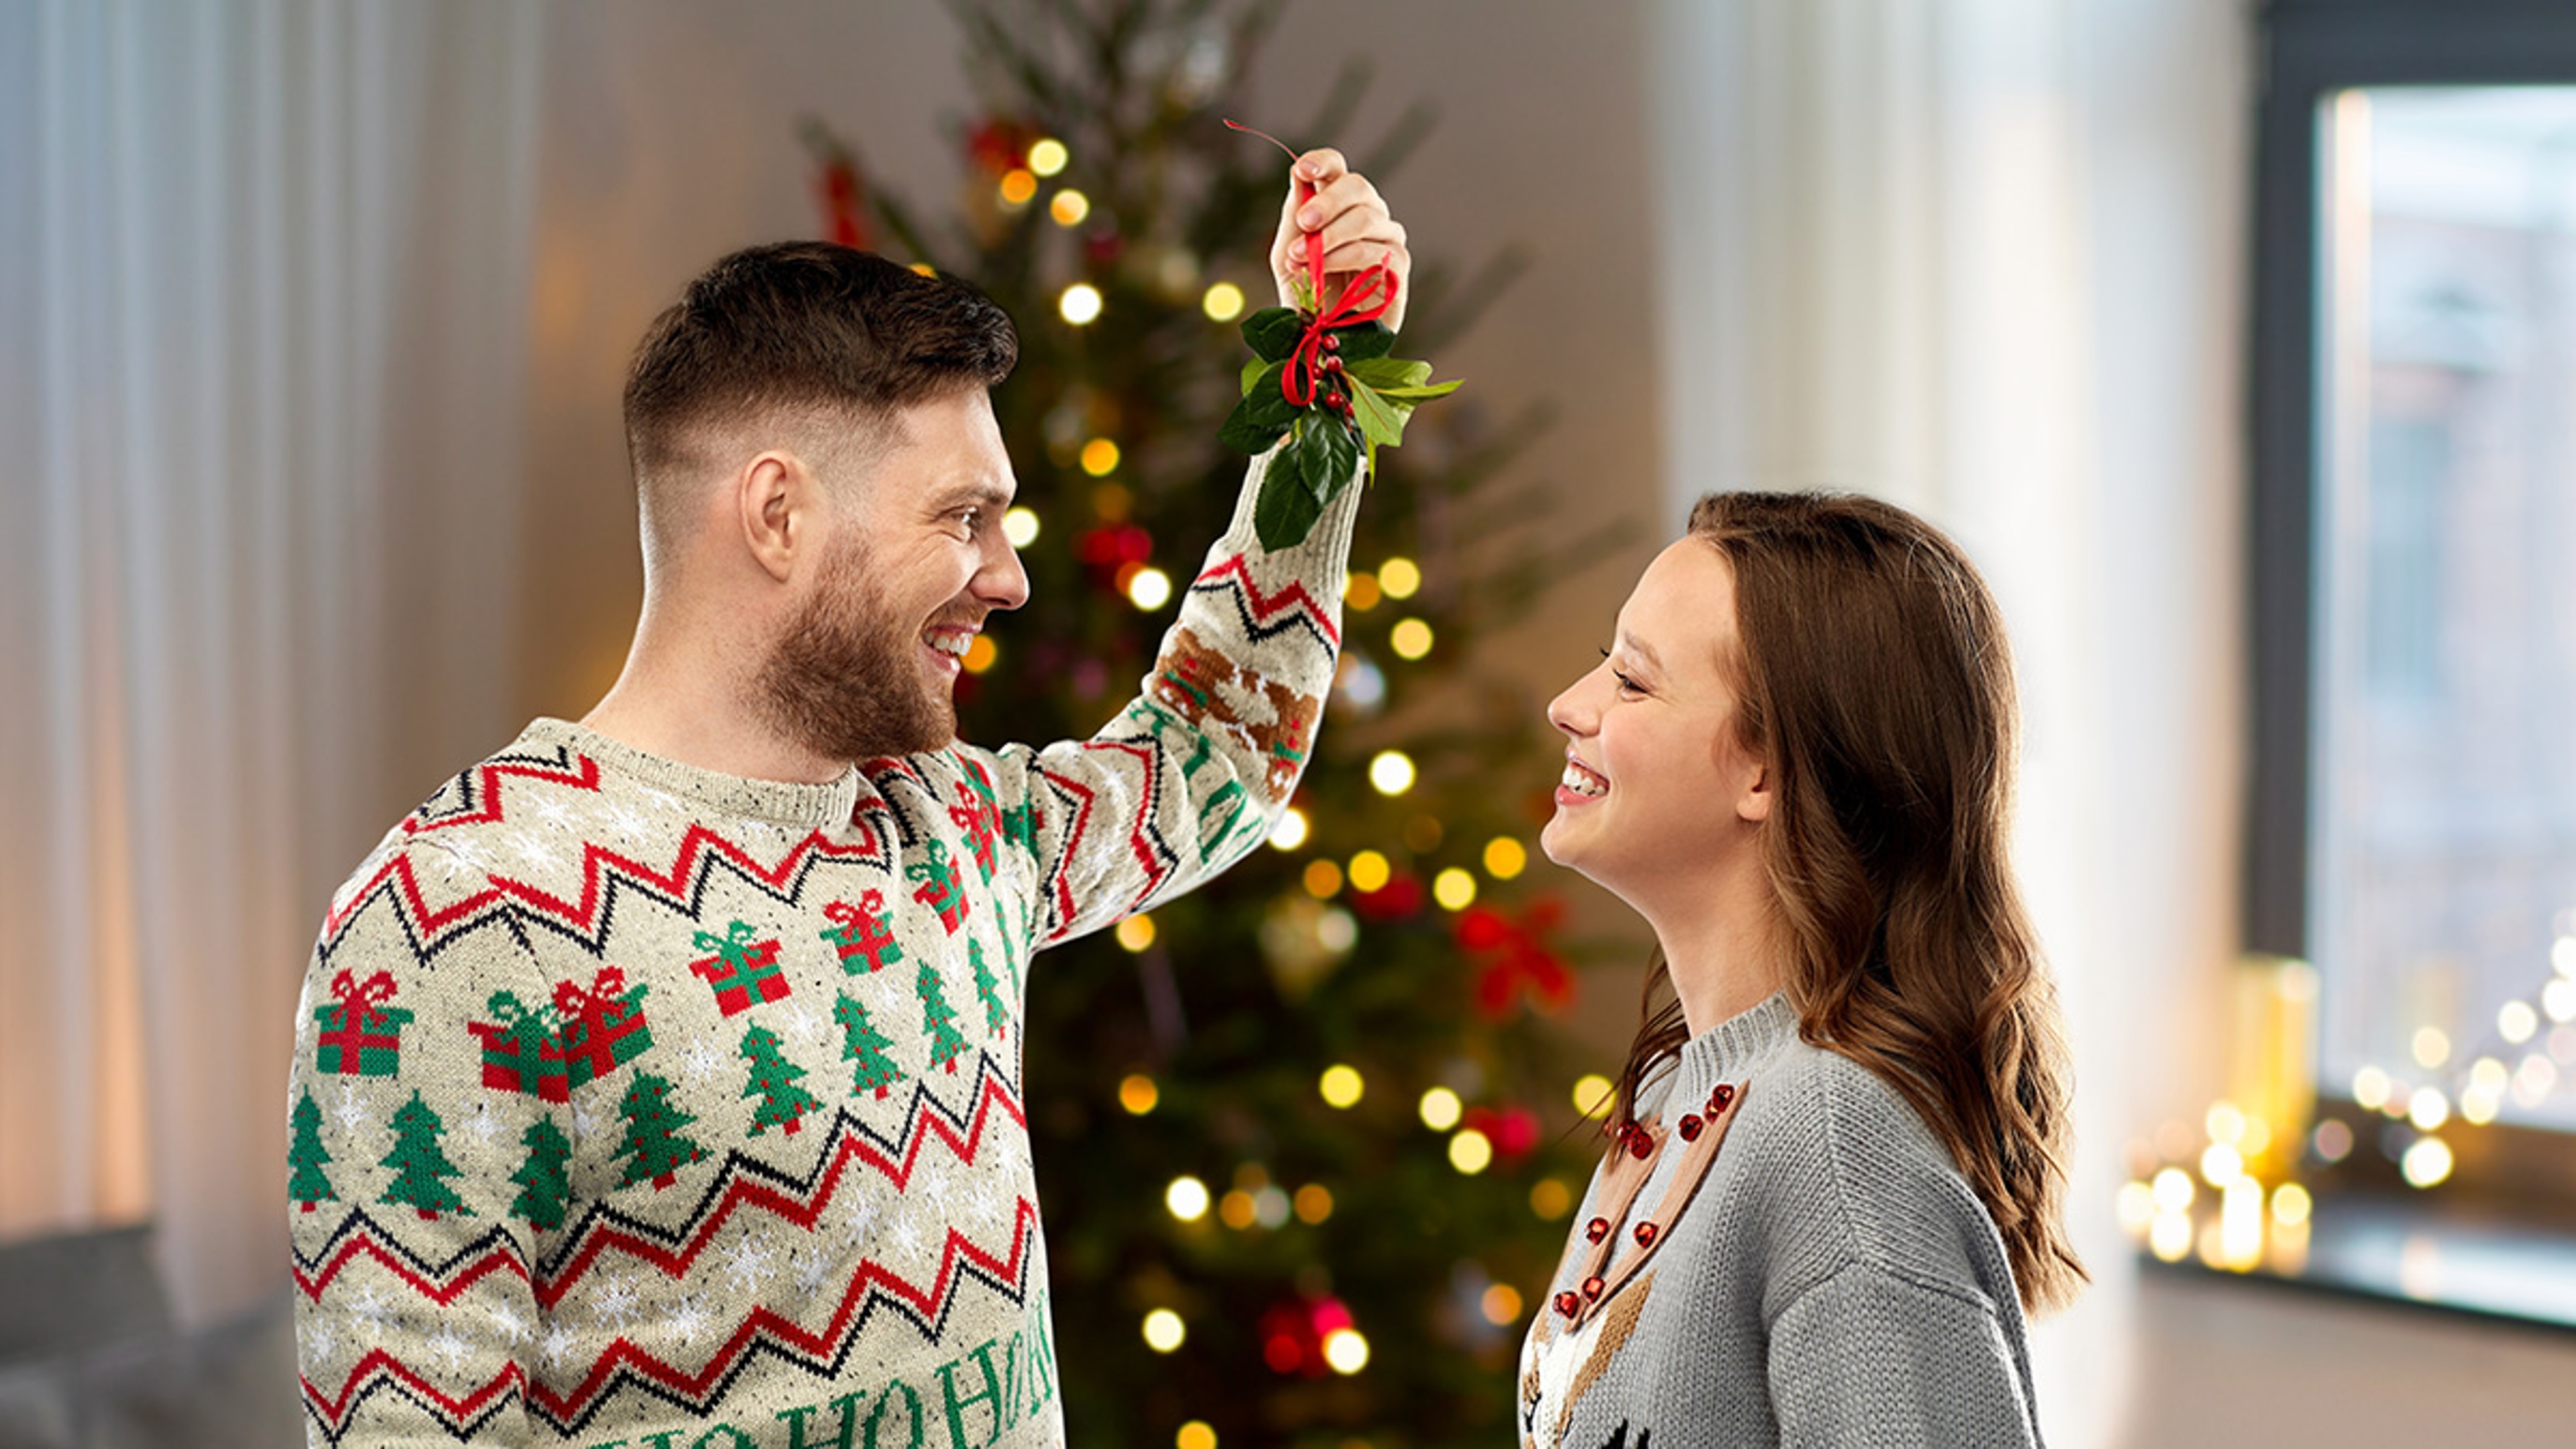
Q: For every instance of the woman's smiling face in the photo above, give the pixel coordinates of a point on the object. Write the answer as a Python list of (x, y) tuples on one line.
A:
[(1658, 785)]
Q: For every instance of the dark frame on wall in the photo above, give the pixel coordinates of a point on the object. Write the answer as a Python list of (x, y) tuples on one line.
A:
[(2310, 49)]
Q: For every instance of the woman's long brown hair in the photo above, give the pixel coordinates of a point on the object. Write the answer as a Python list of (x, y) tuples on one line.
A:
[(1875, 684)]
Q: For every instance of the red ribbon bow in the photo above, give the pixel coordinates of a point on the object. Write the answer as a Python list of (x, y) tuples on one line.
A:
[(571, 1002), (359, 1000)]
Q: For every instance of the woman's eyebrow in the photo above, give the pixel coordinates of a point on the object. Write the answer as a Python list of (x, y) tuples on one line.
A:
[(1640, 648)]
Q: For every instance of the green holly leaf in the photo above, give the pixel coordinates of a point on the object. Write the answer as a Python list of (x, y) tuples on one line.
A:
[(1272, 332), (1252, 372), (1410, 395), (1262, 418), (1380, 421), (1286, 509), (1386, 372), (1361, 343), (1339, 445)]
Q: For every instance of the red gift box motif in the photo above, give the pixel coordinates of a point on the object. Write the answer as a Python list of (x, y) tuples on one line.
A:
[(941, 888), (979, 816), (361, 1036), (863, 932), (521, 1050), (744, 972), (603, 1027)]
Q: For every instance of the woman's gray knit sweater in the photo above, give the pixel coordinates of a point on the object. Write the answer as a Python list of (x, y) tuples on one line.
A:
[(1832, 1280)]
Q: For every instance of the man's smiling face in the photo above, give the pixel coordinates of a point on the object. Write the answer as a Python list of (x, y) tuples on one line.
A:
[(868, 664)]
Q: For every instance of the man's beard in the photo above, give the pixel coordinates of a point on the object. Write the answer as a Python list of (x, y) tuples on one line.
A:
[(845, 681)]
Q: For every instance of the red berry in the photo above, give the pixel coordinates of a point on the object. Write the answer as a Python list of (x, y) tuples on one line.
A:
[(1332, 364), (1336, 401), (1332, 343)]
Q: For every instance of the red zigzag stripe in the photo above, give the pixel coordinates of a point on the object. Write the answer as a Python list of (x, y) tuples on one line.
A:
[(1265, 606), (566, 1408), (697, 848)]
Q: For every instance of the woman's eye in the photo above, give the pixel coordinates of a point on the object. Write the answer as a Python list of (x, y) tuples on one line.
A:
[(1625, 683)]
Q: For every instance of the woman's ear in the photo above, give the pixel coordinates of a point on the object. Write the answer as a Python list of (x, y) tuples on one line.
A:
[(1753, 803)]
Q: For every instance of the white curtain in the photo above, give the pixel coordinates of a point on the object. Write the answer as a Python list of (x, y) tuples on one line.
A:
[(1985, 258), (263, 289)]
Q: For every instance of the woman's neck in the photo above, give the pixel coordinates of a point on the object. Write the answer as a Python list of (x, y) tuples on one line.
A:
[(1725, 946)]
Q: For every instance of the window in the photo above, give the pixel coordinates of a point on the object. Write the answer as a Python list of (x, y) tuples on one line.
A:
[(2413, 825)]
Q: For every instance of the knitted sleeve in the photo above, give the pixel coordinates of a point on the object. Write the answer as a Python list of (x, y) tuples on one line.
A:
[(1193, 774), (415, 1196), (1866, 1357)]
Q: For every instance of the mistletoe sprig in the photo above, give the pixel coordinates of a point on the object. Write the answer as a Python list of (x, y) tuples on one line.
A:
[(1321, 380)]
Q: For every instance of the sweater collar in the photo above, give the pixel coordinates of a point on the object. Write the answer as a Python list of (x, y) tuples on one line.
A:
[(1729, 1050), (718, 795)]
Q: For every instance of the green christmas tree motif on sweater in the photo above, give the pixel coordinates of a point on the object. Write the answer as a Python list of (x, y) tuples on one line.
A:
[(868, 1046), (307, 1185), (418, 1164), (653, 1137), (939, 1019), (997, 1014), (773, 1081), (543, 1184)]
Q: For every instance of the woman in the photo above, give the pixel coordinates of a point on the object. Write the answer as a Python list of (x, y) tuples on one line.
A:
[(1836, 1175)]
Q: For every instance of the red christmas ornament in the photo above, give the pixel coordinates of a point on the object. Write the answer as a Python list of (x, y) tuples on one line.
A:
[(999, 144), (1512, 1130), (1293, 1331), (1400, 897), (1515, 958)]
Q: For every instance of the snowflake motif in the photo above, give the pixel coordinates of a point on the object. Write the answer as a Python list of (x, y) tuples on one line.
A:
[(482, 1124), (531, 848), (451, 1347), (320, 1339), (863, 1216), (590, 1116), (803, 1021), (351, 1112), (456, 864), (507, 1323), (551, 810), (811, 1270), (686, 1319), (471, 857), (906, 1235), (704, 1058), (559, 1344), (985, 1203), (662, 800), (623, 819), (617, 1302), (745, 1264), (367, 1307)]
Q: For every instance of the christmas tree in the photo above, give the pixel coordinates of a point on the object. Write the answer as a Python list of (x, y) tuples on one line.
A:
[(939, 1019), (997, 1014), (866, 1045), (653, 1138), (543, 1185), (307, 1185), (1300, 1109), (418, 1164), (773, 1081)]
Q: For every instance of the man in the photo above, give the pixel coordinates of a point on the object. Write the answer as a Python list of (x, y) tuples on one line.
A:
[(658, 1081)]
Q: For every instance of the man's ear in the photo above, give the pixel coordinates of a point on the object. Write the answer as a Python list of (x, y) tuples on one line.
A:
[(774, 504)]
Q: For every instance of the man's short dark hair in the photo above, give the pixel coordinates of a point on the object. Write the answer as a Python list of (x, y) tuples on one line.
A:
[(806, 327)]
